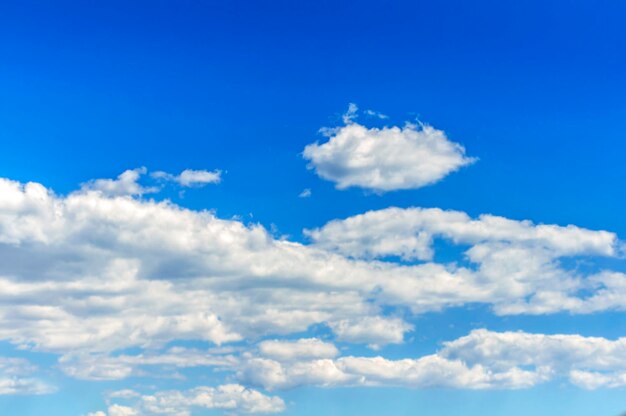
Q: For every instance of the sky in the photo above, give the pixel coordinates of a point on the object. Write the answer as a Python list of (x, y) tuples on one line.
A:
[(304, 208)]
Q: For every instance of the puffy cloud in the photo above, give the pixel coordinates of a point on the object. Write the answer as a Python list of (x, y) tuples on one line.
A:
[(518, 261), (125, 184), (481, 360), (428, 371), (228, 397), (273, 375), (409, 233), (117, 410), (88, 274), (373, 330), (384, 159), (190, 177)]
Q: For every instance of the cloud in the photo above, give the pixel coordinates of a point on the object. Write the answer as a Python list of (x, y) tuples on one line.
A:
[(385, 159), (125, 184), (302, 348), (120, 366), (228, 397), (481, 360), (409, 233), (373, 330), (352, 113), (16, 378), (190, 178), (306, 193), (117, 410), (87, 275), (510, 257), (377, 114)]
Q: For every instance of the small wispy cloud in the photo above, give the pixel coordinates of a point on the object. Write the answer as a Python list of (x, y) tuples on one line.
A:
[(190, 178)]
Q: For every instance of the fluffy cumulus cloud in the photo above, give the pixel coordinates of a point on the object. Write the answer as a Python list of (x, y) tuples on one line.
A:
[(373, 330), (233, 398), (302, 348), (100, 272), (385, 159), (481, 360), (121, 271), (520, 258), (125, 184)]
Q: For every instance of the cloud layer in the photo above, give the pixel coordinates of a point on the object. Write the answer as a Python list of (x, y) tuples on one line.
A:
[(480, 360), (233, 398), (90, 274)]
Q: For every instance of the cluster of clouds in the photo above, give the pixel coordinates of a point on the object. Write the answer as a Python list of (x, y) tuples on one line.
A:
[(91, 274), (228, 397), (127, 183), (481, 360), (112, 272), (16, 377), (519, 262)]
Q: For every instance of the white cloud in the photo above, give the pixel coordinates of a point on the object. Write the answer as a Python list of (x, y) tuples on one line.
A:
[(409, 233), (385, 159), (373, 330), (427, 371), (117, 410), (87, 274), (228, 397), (377, 114), (517, 261), (299, 349), (16, 378), (104, 367), (351, 114), (481, 360), (190, 177), (125, 184), (306, 193)]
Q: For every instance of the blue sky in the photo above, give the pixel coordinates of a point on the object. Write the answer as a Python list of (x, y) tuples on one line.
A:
[(472, 197)]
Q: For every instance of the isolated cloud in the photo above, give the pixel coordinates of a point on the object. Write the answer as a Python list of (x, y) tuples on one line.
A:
[(190, 177), (125, 184), (385, 159), (306, 193)]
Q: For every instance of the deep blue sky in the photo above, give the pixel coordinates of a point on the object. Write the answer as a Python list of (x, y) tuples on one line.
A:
[(536, 90)]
